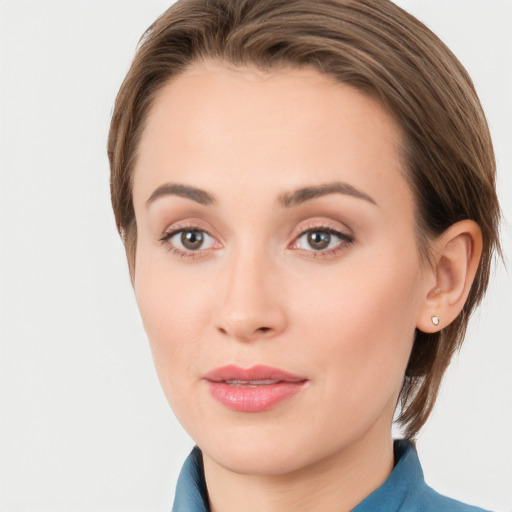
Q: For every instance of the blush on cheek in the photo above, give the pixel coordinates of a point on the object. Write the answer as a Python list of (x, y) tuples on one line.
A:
[(368, 322)]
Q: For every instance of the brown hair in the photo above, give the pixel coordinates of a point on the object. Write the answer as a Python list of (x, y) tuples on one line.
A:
[(376, 47)]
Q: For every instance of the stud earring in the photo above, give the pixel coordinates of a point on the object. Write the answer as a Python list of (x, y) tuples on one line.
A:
[(435, 320)]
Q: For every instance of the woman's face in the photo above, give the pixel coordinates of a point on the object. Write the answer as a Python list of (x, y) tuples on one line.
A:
[(275, 229)]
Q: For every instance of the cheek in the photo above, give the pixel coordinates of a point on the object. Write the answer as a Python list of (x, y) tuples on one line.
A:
[(364, 321), (174, 314)]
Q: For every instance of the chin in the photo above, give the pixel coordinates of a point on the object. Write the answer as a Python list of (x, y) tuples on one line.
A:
[(256, 460), (263, 450)]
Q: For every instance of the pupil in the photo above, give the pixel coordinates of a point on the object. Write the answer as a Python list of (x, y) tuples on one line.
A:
[(192, 239), (319, 239)]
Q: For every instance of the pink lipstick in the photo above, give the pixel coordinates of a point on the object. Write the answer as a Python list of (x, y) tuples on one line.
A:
[(254, 389)]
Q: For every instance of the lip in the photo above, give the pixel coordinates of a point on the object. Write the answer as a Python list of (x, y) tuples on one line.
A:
[(254, 389)]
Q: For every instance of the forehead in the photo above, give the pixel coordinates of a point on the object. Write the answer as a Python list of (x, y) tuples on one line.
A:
[(282, 128)]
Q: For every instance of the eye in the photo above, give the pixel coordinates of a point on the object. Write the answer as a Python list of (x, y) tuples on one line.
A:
[(324, 240), (186, 241)]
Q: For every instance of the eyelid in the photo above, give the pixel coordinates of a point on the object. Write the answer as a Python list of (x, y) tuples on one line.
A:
[(192, 225), (322, 224)]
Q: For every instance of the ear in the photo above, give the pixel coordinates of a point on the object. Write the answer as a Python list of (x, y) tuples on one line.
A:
[(456, 257)]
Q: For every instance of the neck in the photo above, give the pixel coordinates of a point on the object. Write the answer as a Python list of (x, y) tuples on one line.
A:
[(334, 484)]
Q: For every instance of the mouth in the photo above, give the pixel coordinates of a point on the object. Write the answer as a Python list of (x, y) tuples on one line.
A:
[(254, 389), (251, 383)]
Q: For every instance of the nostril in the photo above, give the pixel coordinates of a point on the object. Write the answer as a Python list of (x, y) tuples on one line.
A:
[(263, 329)]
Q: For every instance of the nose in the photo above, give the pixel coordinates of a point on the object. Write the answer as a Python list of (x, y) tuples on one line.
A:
[(251, 305)]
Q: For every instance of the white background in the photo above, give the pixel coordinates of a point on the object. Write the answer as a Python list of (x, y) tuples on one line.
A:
[(84, 425)]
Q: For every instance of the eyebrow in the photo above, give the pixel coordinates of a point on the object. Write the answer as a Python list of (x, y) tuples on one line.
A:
[(301, 195), (287, 200), (176, 189)]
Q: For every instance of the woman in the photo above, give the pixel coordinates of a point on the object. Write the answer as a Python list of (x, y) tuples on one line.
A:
[(306, 195)]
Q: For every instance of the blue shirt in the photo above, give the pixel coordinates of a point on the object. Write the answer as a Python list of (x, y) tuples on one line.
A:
[(405, 489)]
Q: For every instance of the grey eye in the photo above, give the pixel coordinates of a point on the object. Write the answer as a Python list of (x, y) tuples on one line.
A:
[(191, 240), (318, 240)]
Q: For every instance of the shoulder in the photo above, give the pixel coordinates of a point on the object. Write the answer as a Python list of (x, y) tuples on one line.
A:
[(420, 497), (405, 490), (426, 499)]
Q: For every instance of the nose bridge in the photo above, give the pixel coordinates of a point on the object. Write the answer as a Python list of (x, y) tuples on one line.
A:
[(250, 306)]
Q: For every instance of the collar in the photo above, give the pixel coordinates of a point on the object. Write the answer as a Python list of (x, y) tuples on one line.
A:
[(404, 490), (405, 480), (191, 494)]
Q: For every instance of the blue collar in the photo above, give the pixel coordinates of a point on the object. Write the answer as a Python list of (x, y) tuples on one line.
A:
[(191, 494), (405, 489)]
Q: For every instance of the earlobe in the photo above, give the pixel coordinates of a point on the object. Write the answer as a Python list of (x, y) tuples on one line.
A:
[(457, 254)]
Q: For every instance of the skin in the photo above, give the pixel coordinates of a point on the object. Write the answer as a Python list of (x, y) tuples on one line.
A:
[(257, 292)]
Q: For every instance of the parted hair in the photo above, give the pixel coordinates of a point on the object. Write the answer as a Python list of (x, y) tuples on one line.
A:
[(381, 50)]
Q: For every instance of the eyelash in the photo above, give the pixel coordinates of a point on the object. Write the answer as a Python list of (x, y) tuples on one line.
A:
[(345, 241)]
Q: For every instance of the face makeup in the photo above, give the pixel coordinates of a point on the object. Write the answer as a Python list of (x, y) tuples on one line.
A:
[(255, 389), (277, 272)]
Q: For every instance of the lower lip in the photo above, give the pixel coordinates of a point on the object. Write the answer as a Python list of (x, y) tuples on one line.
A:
[(253, 399)]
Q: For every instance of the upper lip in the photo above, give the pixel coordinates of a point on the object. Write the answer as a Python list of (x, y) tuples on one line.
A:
[(254, 373)]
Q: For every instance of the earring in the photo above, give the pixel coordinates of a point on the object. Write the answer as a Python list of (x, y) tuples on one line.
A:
[(435, 320)]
